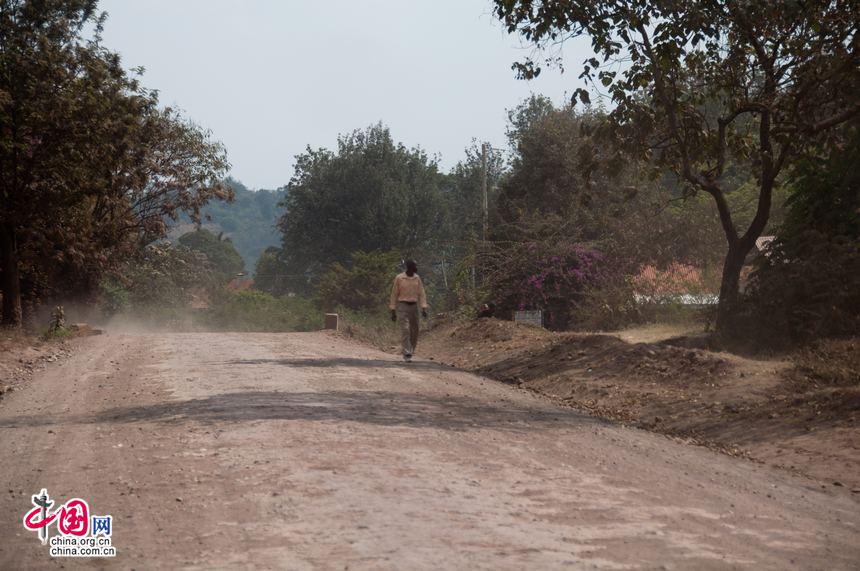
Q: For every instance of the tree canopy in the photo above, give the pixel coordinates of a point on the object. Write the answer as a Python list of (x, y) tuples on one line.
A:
[(371, 194), (220, 252), (250, 219), (561, 177), (807, 286), (698, 86), (91, 164)]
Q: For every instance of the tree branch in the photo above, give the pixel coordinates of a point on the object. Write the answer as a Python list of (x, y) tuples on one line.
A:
[(724, 122), (833, 120)]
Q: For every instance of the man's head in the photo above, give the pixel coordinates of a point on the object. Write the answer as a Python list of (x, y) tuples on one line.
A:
[(411, 267)]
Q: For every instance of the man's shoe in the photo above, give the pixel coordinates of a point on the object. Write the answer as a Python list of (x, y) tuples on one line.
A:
[(407, 357)]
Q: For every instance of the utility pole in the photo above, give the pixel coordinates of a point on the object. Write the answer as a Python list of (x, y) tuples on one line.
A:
[(484, 204), (485, 149)]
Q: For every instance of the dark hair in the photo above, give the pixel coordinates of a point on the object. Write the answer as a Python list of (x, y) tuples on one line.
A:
[(411, 264)]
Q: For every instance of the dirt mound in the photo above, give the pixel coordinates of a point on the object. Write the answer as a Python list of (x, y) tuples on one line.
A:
[(834, 362), (799, 413), (22, 355), (84, 330), (518, 353), (607, 357), (483, 341), (495, 330)]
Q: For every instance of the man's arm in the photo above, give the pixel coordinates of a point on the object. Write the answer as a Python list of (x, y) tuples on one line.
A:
[(395, 292), (422, 297)]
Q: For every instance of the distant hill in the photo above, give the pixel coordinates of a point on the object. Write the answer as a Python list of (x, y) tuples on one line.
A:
[(249, 221)]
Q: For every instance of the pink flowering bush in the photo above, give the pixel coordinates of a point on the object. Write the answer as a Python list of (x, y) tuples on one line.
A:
[(676, 279), (552, 277)]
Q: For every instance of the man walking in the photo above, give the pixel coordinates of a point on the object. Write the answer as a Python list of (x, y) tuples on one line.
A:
[(406, 295)]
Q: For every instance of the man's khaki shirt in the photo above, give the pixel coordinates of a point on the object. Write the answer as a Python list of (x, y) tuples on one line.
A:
[(407, 288)]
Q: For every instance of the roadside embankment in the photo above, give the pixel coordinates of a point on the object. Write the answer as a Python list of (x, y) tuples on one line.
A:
[(22, 355), (798, 412)]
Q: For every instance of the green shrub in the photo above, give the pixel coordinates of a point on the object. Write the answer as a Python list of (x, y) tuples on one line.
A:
[(795, 299), (162, 277), (807, 285), (114, 297), (56, 333), (270, 272), (259, 311), (365, 285), (607, 306), (220, 252), (374, 328), (549, 275)]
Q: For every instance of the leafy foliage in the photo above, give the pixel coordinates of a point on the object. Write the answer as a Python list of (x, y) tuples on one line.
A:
[(807, 286), (563, 181), (249, 219), (365, 285), (708, 85), (369, 195), (91, 165), (463, 200), (566, 187), (181, 288), (160, 277), (259, 311), (113, 297), (219, 251), (271, 272), (561, 176), (550, 276)]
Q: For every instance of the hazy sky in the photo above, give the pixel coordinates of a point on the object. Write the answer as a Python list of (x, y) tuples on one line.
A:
[(270, 77)]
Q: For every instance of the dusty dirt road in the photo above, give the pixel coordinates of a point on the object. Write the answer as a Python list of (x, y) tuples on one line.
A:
[(302, 451)]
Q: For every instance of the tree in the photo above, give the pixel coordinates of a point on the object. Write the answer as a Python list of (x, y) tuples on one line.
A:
[(159, 277), (562, 180), (371, 194), (462, 205), (710, 84), (807, 285), (462, 191), (88, 160), (225, 260), (166, 166), (171, 167), (365, 285), (250, 219), (48, 84), (566, 183), (270, 272)]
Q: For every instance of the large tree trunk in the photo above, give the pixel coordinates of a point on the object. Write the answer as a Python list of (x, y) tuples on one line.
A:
[(10, 283), (739, 248), (730, 285)]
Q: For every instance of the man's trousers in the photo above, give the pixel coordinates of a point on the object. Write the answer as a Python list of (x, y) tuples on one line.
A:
[(407, 318)]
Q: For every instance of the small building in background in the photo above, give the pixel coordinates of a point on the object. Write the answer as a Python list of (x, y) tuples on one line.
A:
[(240, 283)]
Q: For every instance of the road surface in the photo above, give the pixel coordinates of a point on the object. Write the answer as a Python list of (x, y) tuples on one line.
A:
[(304, 451)]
